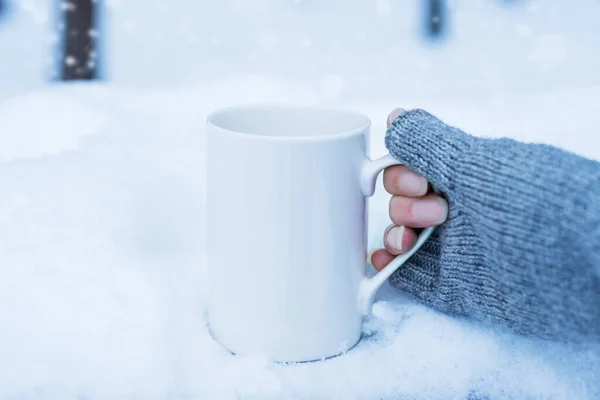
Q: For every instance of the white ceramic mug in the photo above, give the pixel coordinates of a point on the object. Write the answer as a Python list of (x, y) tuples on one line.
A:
[(287, 230)]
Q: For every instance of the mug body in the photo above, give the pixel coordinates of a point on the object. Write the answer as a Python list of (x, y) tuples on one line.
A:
[(286, 230)]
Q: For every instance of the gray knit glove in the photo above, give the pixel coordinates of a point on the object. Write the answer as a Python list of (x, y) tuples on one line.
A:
[(521, 246)]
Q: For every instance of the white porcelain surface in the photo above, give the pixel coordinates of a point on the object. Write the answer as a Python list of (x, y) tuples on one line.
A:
[(287, 190)]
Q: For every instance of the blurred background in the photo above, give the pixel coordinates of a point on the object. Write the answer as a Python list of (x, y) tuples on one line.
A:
[(348, 49)]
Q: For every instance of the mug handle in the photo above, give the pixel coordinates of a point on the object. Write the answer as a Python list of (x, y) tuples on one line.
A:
[(369, 286)]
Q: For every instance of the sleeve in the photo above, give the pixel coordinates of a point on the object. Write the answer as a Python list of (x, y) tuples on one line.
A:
[(521, 246)]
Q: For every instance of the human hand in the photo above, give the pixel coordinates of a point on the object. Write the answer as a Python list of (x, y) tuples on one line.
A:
[(413, 205)]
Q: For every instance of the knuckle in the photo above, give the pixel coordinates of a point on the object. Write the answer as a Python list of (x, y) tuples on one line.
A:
[(391, 177), (399, 210)]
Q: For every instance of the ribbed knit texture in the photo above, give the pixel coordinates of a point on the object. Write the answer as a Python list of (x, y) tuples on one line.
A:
[(521, 246)]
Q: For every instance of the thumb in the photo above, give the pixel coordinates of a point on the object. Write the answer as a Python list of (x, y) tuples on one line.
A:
[(427, 145)]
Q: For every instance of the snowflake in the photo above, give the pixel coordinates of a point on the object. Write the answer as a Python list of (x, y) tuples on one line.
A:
[(67, 6), (70, 61)]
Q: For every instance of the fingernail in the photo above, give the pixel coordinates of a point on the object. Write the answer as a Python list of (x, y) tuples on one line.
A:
[(412, 183), (394, 114), (394, 237), (432, 210)]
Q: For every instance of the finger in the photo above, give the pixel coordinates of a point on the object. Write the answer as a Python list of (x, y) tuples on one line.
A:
[(380, 258), (393, 115), (399, 239), (430, 210), (402, 181)]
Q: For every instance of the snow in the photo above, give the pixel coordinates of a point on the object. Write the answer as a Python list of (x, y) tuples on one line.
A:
[(102, 240)]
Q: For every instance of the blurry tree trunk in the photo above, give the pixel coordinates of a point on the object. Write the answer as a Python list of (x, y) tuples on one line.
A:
[(79, 58), (435, 17)]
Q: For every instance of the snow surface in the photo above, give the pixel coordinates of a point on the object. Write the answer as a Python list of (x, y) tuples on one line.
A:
[(102, 240)]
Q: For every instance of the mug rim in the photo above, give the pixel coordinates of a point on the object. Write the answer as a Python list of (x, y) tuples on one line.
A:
[(363, 129)]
